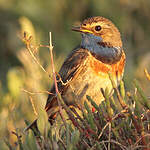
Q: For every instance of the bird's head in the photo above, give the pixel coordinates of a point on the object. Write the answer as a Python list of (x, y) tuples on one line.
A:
[(102, 38), (102, 30)]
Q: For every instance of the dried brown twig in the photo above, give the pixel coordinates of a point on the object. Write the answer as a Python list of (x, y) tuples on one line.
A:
[(54, 77), (39, 92), (31, 49), (59, 98), (147, 74), (33, 106)]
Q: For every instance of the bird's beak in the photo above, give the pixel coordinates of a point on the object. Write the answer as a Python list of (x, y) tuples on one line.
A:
[(81, 29)]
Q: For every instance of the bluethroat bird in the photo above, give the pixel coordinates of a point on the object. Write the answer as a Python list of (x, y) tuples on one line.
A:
[(85, 70)]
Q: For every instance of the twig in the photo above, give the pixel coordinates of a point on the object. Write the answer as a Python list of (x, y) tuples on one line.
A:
[(86, 144), (52, 62), (27, 41), (115, 142), (103, 130), (35, 59), (33, 106), (104, 145), (19, 139), (146, 135), (54, 77), (62, 142), (34, 93), (147, 74), (109, 136), (115, 117), (59, 98)]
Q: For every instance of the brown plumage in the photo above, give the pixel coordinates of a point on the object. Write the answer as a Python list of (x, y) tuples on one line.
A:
[(86, 69)]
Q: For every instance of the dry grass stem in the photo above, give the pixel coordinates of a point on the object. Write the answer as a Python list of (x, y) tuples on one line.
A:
[(115, 142), (54, 77), (147, 74), (109, 136), (138, 141), (33, 106), (31, 49), (35, 93), (103, 130)]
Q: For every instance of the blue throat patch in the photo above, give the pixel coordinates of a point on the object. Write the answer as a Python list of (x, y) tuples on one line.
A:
[(100, 50)]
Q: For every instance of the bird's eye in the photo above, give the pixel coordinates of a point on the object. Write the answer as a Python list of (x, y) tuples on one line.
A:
[(97, 28)]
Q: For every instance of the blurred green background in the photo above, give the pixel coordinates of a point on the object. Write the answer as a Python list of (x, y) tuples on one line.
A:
[(18, 71)]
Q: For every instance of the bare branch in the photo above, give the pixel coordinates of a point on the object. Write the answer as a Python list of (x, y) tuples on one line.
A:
[(33, 106), (39, 92), (54, 76)]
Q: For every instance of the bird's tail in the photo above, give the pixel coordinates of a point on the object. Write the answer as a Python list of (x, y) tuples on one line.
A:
[(33, 126), (52, 110)]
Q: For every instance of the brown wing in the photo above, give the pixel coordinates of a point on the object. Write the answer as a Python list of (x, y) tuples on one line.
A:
[(68, 71)]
